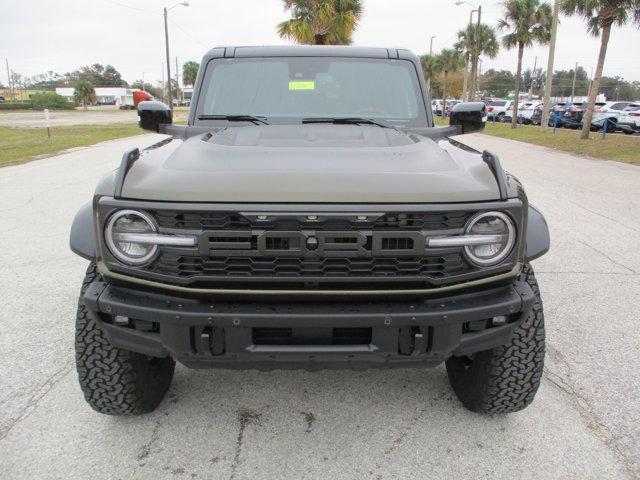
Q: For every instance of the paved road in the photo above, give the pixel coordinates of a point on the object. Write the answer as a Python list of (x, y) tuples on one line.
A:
[(372, 424), (66, 118)]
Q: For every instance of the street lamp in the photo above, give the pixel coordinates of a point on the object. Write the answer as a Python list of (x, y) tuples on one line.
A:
[(166, 39), (474, 80), (431, 45)]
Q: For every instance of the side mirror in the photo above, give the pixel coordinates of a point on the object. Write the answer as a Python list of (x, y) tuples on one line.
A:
[(152, 114), (469, 116)]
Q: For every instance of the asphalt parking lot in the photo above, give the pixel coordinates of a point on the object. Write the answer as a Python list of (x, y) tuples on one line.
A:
[(330, 424)]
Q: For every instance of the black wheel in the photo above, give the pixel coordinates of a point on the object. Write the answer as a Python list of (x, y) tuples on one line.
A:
[(115, 381), (500, 117), (504, 379)]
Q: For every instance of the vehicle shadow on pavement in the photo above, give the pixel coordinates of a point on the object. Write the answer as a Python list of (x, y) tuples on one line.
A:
[(244, 417)]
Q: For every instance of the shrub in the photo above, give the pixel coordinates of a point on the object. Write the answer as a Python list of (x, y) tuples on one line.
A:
[(50, 100), (16, 106)]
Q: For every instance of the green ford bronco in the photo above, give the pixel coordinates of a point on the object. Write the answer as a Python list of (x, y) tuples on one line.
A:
[(309, 215)]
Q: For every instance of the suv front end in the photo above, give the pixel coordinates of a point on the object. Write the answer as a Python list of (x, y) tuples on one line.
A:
[(317, 236)]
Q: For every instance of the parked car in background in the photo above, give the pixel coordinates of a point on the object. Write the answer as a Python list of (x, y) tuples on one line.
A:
[(629, 119), (1, 99), (526, 111), (496, 109), (450, 104), (573, 115), (557, 114), (436, 106), (609, 110)]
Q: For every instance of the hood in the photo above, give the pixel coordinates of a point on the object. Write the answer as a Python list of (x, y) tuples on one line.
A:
[(310, 163)]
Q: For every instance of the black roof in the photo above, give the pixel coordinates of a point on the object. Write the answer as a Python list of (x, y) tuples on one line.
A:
[(307, 51)]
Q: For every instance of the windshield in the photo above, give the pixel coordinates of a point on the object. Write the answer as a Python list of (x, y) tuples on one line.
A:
[(290, 89), (497, 104)]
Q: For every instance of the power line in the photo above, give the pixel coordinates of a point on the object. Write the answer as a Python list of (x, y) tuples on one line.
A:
[(186, 32), (131, 8)]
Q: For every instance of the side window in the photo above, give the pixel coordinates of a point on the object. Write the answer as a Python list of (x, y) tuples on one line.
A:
[(619, 106)]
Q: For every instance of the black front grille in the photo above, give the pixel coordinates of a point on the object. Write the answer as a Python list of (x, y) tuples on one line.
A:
[(186, 266), (234, 221), (306, 250)]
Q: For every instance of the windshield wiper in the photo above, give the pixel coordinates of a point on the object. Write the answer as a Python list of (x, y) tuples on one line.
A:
[(236, 118), (348, 121)]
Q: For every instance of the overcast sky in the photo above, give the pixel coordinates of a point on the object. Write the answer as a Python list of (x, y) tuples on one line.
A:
[(42, 35)]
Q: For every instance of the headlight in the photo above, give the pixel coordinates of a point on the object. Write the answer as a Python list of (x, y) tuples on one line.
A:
[(496, 226), (123, 228)]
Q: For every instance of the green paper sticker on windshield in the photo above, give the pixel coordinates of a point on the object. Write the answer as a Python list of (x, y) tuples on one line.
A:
[(302, 85)]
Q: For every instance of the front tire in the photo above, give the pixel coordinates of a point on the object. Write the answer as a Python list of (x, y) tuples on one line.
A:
[(504, 379), (116, 381)]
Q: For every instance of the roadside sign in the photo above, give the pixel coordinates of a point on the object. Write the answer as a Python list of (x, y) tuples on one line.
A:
[(47, 121)]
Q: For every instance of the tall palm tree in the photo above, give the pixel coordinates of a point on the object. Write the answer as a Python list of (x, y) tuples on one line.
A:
[(321, 22), (527, 21), (473, 42), (430, 67), (601, 15), (449, 60)]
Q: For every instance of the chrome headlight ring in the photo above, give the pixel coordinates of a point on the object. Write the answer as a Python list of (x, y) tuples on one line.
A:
[(112, 243), (507, 243)]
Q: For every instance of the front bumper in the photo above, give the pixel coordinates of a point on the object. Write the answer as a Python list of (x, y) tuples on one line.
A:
[(225, 334)]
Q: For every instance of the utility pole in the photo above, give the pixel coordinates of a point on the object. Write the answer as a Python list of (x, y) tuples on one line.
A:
[(549, 80), (162, 74), (430, 53), (465, 79), (475, 77), (533, 72), (166, 39), (177, 80), (9, 79), (143, 81), (573, 85)]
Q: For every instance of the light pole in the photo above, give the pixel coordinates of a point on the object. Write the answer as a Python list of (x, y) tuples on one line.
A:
[(474, 79), (546, 106), (431, 45), (573, 85), (166, 39)]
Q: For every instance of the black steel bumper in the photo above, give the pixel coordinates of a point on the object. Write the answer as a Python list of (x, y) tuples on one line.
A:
[(295, 334)]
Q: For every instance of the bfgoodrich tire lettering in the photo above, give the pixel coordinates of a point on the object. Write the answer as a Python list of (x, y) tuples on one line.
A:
[(504, 379), (115, 381)]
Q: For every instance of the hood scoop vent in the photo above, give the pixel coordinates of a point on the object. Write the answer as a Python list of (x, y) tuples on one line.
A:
[(309, 135)]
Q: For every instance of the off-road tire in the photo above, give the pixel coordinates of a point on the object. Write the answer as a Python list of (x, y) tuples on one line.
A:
[(504, 379), (116, 381)]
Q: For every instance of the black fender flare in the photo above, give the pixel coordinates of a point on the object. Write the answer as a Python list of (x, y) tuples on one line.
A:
[(82, 236), (537, 235)]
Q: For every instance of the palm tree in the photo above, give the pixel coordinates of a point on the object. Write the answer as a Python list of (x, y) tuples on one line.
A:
[(601, 15), (430, 67), (473, 42), (321, 22), (190, 72), (449, 60), (84, 93), (528, 21)]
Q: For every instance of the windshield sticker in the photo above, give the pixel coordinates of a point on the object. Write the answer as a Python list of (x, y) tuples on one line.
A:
[(302, 85)]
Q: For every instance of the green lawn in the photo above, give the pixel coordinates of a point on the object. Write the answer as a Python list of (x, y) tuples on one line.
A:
[(620, 147), (19, 145)]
